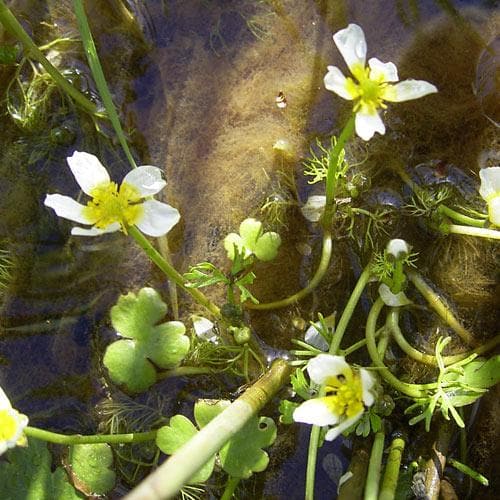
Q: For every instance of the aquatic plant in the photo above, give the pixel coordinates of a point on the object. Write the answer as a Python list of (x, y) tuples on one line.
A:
[(348, 392), (372, 85), (12, 425), (114, 208), (336, 397)]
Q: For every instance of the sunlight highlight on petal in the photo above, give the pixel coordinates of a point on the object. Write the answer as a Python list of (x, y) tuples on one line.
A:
[(351, 44), (88, 171), (158, 218)]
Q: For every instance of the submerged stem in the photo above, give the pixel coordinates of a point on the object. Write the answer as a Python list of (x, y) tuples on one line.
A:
[(54, 437), (412, 390), (391, 474), (481, 232), (374, 467), (171, 272), (463, 219), (12, 25), (326, 254), (406, 347), (440, 307)]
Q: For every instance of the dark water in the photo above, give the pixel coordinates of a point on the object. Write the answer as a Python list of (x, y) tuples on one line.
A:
[(196, 84)]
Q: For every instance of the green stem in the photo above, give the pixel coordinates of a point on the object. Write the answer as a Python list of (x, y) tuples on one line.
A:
[(412, 390), (311, 462), (338, 334), (98, 74), (168, 479), (331, 176), (230, 488), (170, 271), (326, 254), (348, 311), (186, 371), (463, 219), (471, 231), (391, 474), (440, 307), (374, 467), (53, 437), (393, 323), (398, 277), (12, 25)]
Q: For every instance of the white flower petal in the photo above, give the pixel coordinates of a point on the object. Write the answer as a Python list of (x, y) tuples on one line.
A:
[(397, 248), (367, 124), (67, 207), (382, 72), (490, 182), (204, 328), (88, 171), (392, 299), (494, 210), (314, 208), (336, 82), (4, 400), (325, 366), (408, 90), (352, 45), (146, 179), (315, 412), (368, 381), (314, 338), (334, 432), (158, 218), (94, 231)]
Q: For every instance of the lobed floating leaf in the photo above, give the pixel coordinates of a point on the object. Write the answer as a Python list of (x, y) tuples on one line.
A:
[(91, 464), (130, 361)]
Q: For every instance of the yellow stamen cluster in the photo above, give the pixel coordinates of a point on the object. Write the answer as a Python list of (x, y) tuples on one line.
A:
[(110, 204), (8, 425), (344, 394), (369, 92)]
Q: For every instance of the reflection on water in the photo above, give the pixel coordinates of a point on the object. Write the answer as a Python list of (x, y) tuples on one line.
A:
[(197, 84)]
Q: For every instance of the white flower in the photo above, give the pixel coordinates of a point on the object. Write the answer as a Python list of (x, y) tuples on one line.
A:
[(12, 424), (398, 248), (314, 207), (113, 208), (348, 392), (204, 328), (371, 86), (490, 192)]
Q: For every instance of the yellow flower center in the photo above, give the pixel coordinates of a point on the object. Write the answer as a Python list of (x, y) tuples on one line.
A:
[(8, 425), (110, 204), (369, 92), (344, 394)]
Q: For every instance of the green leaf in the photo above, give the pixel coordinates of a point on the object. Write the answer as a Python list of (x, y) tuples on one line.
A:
[(130, 361), (299, 384), (207, 409), (26, 474), (243, 454), (252, 240), (91, 464), (171, 437), (286, 409), (8, 54), (482, 373), (204, 274), (267, 246)]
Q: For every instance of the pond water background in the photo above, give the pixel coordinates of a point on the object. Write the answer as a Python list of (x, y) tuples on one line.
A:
[(196, 82)]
